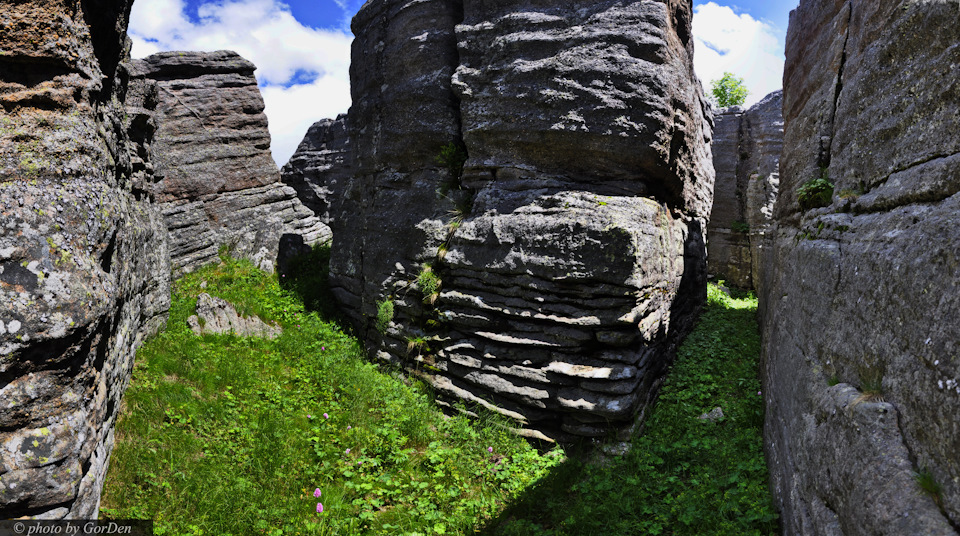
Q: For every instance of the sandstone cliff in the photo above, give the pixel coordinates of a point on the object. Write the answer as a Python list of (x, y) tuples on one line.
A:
[(83, 270), (746, 158), (213, 173), (861, 294), (525, 223)]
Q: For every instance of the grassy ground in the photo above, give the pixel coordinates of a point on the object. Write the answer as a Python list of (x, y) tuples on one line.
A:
[(226, 435), (685, 475)]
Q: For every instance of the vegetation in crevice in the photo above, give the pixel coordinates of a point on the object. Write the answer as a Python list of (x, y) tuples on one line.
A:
[(815, 193)]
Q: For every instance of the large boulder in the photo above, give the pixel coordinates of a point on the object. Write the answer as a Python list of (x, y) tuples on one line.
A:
[(213, 173), (861, 292), (525, 226), (84, 275), (746, 158)]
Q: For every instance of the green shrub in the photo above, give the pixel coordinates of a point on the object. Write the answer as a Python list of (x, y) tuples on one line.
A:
[(384, 315), (740, 227), (815, 193), (452, 157), (428, 282), (729, 90)]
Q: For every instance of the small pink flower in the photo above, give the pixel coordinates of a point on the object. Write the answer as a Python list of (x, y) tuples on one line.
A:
[(319, 508), (325, 416), (489, 449), (349, 427), (316, 493), (324, 348), (347, 452), (309, 416)]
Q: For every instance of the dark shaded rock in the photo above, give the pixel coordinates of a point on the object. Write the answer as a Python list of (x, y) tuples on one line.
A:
[(217, 316), (860, 298), (213, 172), (84, 275), (552, 280), (746, 157), (321, 167)]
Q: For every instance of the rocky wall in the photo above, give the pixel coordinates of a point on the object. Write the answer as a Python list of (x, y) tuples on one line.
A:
[(525, 226), (746, 158), (321, 167), (214, 177), (861, 294), (84, 275)]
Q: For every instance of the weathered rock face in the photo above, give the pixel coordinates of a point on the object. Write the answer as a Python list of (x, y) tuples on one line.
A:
[(214, 176), (552, 279), (861, 298), (321, 168), (746, 158), (217, 316), (83, 270)]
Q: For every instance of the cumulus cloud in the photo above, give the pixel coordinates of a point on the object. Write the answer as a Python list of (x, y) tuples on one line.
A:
[(304, 72), (738, 43)]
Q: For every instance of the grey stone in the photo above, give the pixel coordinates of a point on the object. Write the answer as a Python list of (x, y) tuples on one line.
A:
[(865, 291), (746, 156), (212, 170), (713, 415), (84, 270), (321, 167), (217, 316), (570, 255)]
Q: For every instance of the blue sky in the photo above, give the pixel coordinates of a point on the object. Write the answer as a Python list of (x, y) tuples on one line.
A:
[(302, 48)]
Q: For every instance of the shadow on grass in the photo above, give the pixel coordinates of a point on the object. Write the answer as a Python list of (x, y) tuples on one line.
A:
[(685, 475), (307, 276)]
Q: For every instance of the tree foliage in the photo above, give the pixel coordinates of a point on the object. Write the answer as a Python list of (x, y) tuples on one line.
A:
[(729, 90)]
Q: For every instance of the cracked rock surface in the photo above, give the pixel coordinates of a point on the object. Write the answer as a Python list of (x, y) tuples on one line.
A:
[(861, 298)]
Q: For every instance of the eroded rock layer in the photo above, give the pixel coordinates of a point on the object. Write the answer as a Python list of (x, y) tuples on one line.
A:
[(861, 298), (746, 158), (321, 167), (83, 252), (525, 226), (214, 176)]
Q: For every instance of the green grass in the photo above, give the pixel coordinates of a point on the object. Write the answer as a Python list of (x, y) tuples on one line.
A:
[(226, 435), (684, 475)]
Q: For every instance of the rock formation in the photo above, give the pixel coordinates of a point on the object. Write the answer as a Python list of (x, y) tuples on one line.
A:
[(214, 176), (217, 316), (83, 270), (321, 168), (746, 158), (525, 222), (861, 292)]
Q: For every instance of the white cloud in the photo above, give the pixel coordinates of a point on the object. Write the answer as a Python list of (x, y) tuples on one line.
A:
[(726, 41), (266, 33)]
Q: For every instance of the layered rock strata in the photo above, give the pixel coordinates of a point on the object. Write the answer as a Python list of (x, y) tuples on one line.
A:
[(525, 224), (83, 270), (861, 298), (746, 158), (214, 176), (321, 167)]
